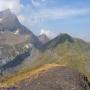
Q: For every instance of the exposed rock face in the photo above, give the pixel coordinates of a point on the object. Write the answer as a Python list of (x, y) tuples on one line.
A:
[(15, 38), (9, 22), (17, 43), (56, 78), (43, 38)]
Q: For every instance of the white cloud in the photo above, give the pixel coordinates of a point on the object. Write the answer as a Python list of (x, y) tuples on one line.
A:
[(14, 5), (49, 33), (36, 17), (22, 18), (37, 2), (29, 17), (60, 13)]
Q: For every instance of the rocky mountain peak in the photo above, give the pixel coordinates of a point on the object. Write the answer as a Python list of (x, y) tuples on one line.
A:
[(9, 22), (64, 36), (43, 38), (5, 12)]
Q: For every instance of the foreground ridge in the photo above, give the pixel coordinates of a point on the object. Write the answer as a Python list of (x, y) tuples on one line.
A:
[(48, 77)]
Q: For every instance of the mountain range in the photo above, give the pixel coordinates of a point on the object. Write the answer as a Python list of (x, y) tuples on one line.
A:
[(22, 52)]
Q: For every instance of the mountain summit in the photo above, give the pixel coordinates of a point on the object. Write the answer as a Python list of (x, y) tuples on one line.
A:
[(15, 39), (9, 22), (22, 52), (62, 38), (43, 38)]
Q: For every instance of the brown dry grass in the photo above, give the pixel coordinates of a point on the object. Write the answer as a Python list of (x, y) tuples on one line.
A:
[(15, 79)]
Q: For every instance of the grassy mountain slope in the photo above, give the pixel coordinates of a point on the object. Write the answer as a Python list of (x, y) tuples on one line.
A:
[(25, 74), (65, 50)]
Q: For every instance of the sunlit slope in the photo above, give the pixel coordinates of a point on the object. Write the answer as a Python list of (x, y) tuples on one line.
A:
[(64, 49), (47, 77), (15, 79)]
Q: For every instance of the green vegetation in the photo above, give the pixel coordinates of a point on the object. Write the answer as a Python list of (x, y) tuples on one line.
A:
[(74, 53)]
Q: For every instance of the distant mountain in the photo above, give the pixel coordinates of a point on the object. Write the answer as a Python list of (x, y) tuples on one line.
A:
[(59, 39), (15, 39), (65, 50), (21, 50), (9, 22), (43, 38)]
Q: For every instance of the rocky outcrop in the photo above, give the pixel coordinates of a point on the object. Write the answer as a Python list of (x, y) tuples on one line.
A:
[(43, 38), (15, 40), (9, 22)]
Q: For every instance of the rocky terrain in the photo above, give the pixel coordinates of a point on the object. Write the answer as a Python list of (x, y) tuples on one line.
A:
[(9, 22), (22, 53), (15, 41), (43, 38)]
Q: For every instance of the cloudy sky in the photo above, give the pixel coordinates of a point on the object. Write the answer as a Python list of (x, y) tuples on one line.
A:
[(52, 16)]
